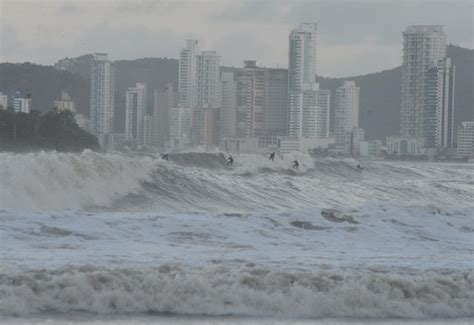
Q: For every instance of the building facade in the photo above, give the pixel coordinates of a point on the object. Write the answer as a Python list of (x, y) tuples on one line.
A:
[(204, 130), (466, 140), (208, 65), (187, 77), (438, 105), (346, 111), (423, 47), (102, 97), (21, 103), (135, 112), (3, 101), (65, 103), (275, 105), (163, 100), (323, 113), (250, 101), (180, 127), (301, 70), (228, 106), (399, 146)]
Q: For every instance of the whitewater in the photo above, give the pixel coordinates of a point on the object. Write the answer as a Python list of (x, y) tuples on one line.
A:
[(112, 237)]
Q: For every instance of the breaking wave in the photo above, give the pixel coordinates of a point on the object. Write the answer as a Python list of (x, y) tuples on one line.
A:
[(246, 291), (203, 181)]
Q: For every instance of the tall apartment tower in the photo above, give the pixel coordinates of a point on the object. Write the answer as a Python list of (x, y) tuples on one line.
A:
[(207, 74), (346, 111), (323, 113), (423, 47), (438, 105), (187, 75), (135, 112), (102, 96), (228, 106), (163, 100), (276, 101), (301, 70), (250, 97)]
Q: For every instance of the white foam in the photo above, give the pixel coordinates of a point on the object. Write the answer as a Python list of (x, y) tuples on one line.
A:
[(243, 291), (68, 181)]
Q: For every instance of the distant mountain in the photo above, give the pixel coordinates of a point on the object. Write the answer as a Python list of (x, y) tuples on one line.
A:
[(155, 72), (379, 98), (44, 84)]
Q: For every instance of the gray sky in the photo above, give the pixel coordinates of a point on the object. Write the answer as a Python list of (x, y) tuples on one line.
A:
[(354, 37)]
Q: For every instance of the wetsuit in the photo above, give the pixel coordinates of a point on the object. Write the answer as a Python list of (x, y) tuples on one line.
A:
[(295, 164)]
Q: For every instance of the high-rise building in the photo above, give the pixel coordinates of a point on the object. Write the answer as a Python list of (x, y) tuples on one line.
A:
[(466, 140), (65, 103), (208, 65), (276, 101), (323, 113), (204, 130), (423, 47), (228, 106), (147, 131), (438, 105), (188, 75), (3, 101), (180, 127), (301, 70), (250, 98), (102, 96), (346, 111), (164, 99), (135, 111)]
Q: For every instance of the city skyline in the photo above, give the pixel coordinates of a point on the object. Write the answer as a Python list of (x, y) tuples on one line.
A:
[(259, 30)]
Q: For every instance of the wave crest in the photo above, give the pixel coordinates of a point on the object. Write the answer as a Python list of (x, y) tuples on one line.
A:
[(248, 291)]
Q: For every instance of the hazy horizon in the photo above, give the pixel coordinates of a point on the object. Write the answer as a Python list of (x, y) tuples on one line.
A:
[(354, 37)]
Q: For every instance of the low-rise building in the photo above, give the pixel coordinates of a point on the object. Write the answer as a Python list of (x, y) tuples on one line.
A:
[(405, 146), (370, 148)]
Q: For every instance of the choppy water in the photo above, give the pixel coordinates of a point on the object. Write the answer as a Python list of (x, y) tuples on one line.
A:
[(115, 235)]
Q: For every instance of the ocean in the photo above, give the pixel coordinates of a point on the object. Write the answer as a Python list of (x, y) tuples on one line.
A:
[(108, 238)]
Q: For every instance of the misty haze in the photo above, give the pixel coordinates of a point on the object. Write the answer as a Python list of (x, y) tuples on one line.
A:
[(236, 162)]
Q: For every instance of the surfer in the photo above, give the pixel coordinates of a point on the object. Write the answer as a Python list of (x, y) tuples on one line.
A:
[(164, 156), (296, 165), (359, 167), (272, 156), (230, 161)]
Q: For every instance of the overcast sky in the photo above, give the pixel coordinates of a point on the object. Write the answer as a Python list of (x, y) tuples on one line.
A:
[(354, 37)]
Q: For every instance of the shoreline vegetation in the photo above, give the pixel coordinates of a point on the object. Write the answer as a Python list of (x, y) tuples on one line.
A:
[(36, 131)]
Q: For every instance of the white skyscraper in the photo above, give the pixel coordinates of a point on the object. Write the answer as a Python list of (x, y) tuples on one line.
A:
[(102, 96), (438, 105), (208, 65), (301, 70), (346, 111), (188, 75), (423, 47), (135, 112)]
